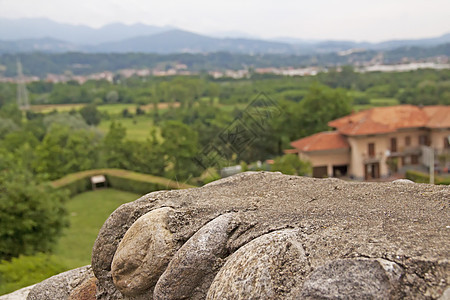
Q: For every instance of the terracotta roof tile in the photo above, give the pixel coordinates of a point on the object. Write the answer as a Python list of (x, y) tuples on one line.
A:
[(328, 140), (388, 119), (438, 115)]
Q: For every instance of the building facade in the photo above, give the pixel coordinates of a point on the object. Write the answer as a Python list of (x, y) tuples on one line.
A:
[(378, 142)]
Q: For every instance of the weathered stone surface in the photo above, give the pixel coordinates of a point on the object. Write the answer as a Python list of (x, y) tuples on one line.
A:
[(85, 291), (196, 262), (354, 279), (269, 267), (143, 253), (60, 286), (405, 224), (445, 295), (18, 295), (403, 181)]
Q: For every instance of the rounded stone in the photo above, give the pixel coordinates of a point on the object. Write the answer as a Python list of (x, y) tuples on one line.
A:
[(402, 180), (269, 267), (85, 291), (353, 279), (143, 253), (195, 263), (60, 286)]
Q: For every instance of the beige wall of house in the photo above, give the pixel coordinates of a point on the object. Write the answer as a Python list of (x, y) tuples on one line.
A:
[(358, 156), (360, 149), (329, 159), (437, 138)]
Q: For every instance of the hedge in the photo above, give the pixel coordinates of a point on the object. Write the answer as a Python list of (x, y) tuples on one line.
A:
[(120, 179), (421, 177)]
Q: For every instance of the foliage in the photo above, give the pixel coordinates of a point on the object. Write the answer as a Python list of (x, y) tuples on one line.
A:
[(74, 121), (115, 151), (320, 106), (7, 126), (12, 112), (421, 177), (290, 164), (91, 114), (31, 214), (180, 147), (65, 151), (27, 270)]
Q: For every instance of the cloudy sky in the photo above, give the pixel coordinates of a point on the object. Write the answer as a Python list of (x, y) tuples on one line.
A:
[(359, 20)]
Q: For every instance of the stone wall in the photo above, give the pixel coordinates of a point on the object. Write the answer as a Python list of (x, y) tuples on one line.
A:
[(270, 236)]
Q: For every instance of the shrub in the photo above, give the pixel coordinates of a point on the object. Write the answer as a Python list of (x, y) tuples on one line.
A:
[(27, 270), (119, 179), (420, 177), (32, 215), (290, 164)]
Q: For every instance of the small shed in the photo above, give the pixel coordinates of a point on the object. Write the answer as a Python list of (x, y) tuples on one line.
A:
[(98, 181)]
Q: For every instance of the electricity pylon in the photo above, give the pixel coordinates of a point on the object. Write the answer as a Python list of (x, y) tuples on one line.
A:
[(22, 93)]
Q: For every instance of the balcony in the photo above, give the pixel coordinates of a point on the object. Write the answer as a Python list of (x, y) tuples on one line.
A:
[(370, 159), (409, 150)]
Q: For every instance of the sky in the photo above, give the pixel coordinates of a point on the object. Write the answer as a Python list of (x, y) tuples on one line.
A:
[(358, 20)]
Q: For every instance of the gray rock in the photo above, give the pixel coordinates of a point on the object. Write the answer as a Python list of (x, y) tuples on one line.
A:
[(60, 286), (196, 262), (143, 253), (406, 181), (405, 224), (85, 291), (269, 267), (446, 294), (19, 294), (353, 279), (109, 237)]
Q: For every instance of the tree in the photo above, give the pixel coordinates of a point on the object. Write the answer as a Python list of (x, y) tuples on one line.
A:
[(12, 112), (32, 214), (65, 151), (7, 126), (112, 97), (64, 119), (321, 105), (115, 153), (180, 147), (91, 114)]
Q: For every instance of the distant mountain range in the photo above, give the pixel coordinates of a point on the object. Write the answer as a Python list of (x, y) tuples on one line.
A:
[(43, 35), (18, 29)]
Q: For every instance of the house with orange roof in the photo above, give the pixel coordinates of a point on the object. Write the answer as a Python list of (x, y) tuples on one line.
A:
[(377, 142)]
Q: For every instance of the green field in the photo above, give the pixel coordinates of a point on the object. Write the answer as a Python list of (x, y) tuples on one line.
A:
[(87, 212), (46, 108), (138, 128), (111, 109)]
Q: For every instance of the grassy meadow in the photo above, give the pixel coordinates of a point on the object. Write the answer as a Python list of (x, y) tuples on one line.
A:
[(87, 212), (138, 127)]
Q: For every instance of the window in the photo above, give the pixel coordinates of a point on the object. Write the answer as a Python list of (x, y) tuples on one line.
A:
[(393, 144), (408, 141), (447, 142), (371, 149), (423, 140)]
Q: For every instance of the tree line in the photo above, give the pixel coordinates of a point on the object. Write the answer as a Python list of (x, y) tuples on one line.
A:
[(36, 147)]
